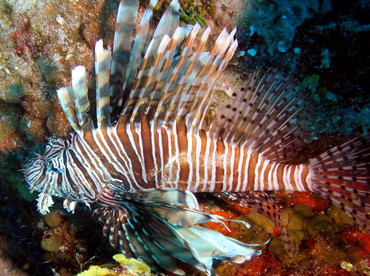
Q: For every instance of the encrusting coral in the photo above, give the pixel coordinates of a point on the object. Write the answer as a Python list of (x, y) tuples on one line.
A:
[(126, 267)]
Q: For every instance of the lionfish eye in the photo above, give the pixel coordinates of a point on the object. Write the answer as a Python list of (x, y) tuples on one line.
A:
[(50, 167)]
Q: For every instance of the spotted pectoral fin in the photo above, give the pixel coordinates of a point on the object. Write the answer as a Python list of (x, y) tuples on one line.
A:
[(135, 234), (260, 202), (165, 235), (113, 221), (163, 196), (44, 201)]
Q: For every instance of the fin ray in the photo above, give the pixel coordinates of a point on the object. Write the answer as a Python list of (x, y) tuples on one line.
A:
[(81, 99), (102, 71), (342, 175)]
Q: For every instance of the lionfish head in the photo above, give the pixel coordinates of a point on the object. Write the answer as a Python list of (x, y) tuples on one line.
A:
[(44, 173)]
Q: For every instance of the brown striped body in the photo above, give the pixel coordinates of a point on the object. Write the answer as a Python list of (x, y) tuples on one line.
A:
[(173, 157)]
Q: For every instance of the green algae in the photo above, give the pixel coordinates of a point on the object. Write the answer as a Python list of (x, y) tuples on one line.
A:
[(53, 219), (321, 225), (276, 248), (339, 217), (304, 210), (297, 222), (9, 119), (260, 231), (15, 91), (127, 267), (51, 243)]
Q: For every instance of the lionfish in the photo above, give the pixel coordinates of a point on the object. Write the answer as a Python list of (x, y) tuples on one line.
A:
[(159, 136)]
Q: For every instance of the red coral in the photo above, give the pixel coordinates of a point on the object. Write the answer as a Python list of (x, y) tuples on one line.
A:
[(263, 264), (219, 227), (315, 202), (20, 50), (309, 243), (354, 237)]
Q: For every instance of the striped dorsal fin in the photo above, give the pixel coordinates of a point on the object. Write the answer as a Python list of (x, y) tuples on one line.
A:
[(195, 80), (167, 78), (190, 83), (264, 115), (66, 99), (210, 70), (157, 54), (75, 102), (151, 78), (140, 45), (114, 75), (122, 45), (171, 83), (102, 71)]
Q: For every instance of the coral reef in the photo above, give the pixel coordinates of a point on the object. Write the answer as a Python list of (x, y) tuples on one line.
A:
[(126, 267), (301, 38), (276, 21), (326, 237), (41, 41), (40, 44)]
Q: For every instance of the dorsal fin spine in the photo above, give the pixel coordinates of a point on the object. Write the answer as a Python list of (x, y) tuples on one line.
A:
[(203, 105), (102, 71), (139, 43), (65, 96), (81, 99), (125, 26), (222, 53), (169, 21), (148, 86), (176, 76)]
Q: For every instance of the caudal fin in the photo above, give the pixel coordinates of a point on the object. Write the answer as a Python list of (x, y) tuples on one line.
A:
[(342, 175)]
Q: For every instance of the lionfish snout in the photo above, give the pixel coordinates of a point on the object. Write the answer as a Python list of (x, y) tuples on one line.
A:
[(35, 171), (44, 173)]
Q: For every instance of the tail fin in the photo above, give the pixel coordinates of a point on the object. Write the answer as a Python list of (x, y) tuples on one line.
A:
[(342, 175), (164, 234)]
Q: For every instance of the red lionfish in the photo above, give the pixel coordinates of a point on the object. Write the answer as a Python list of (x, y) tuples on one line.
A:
[(157, 140)]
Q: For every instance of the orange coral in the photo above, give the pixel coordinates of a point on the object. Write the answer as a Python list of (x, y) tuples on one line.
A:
[(354, 237), (219, 227), (315, 202), (258, 265)]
